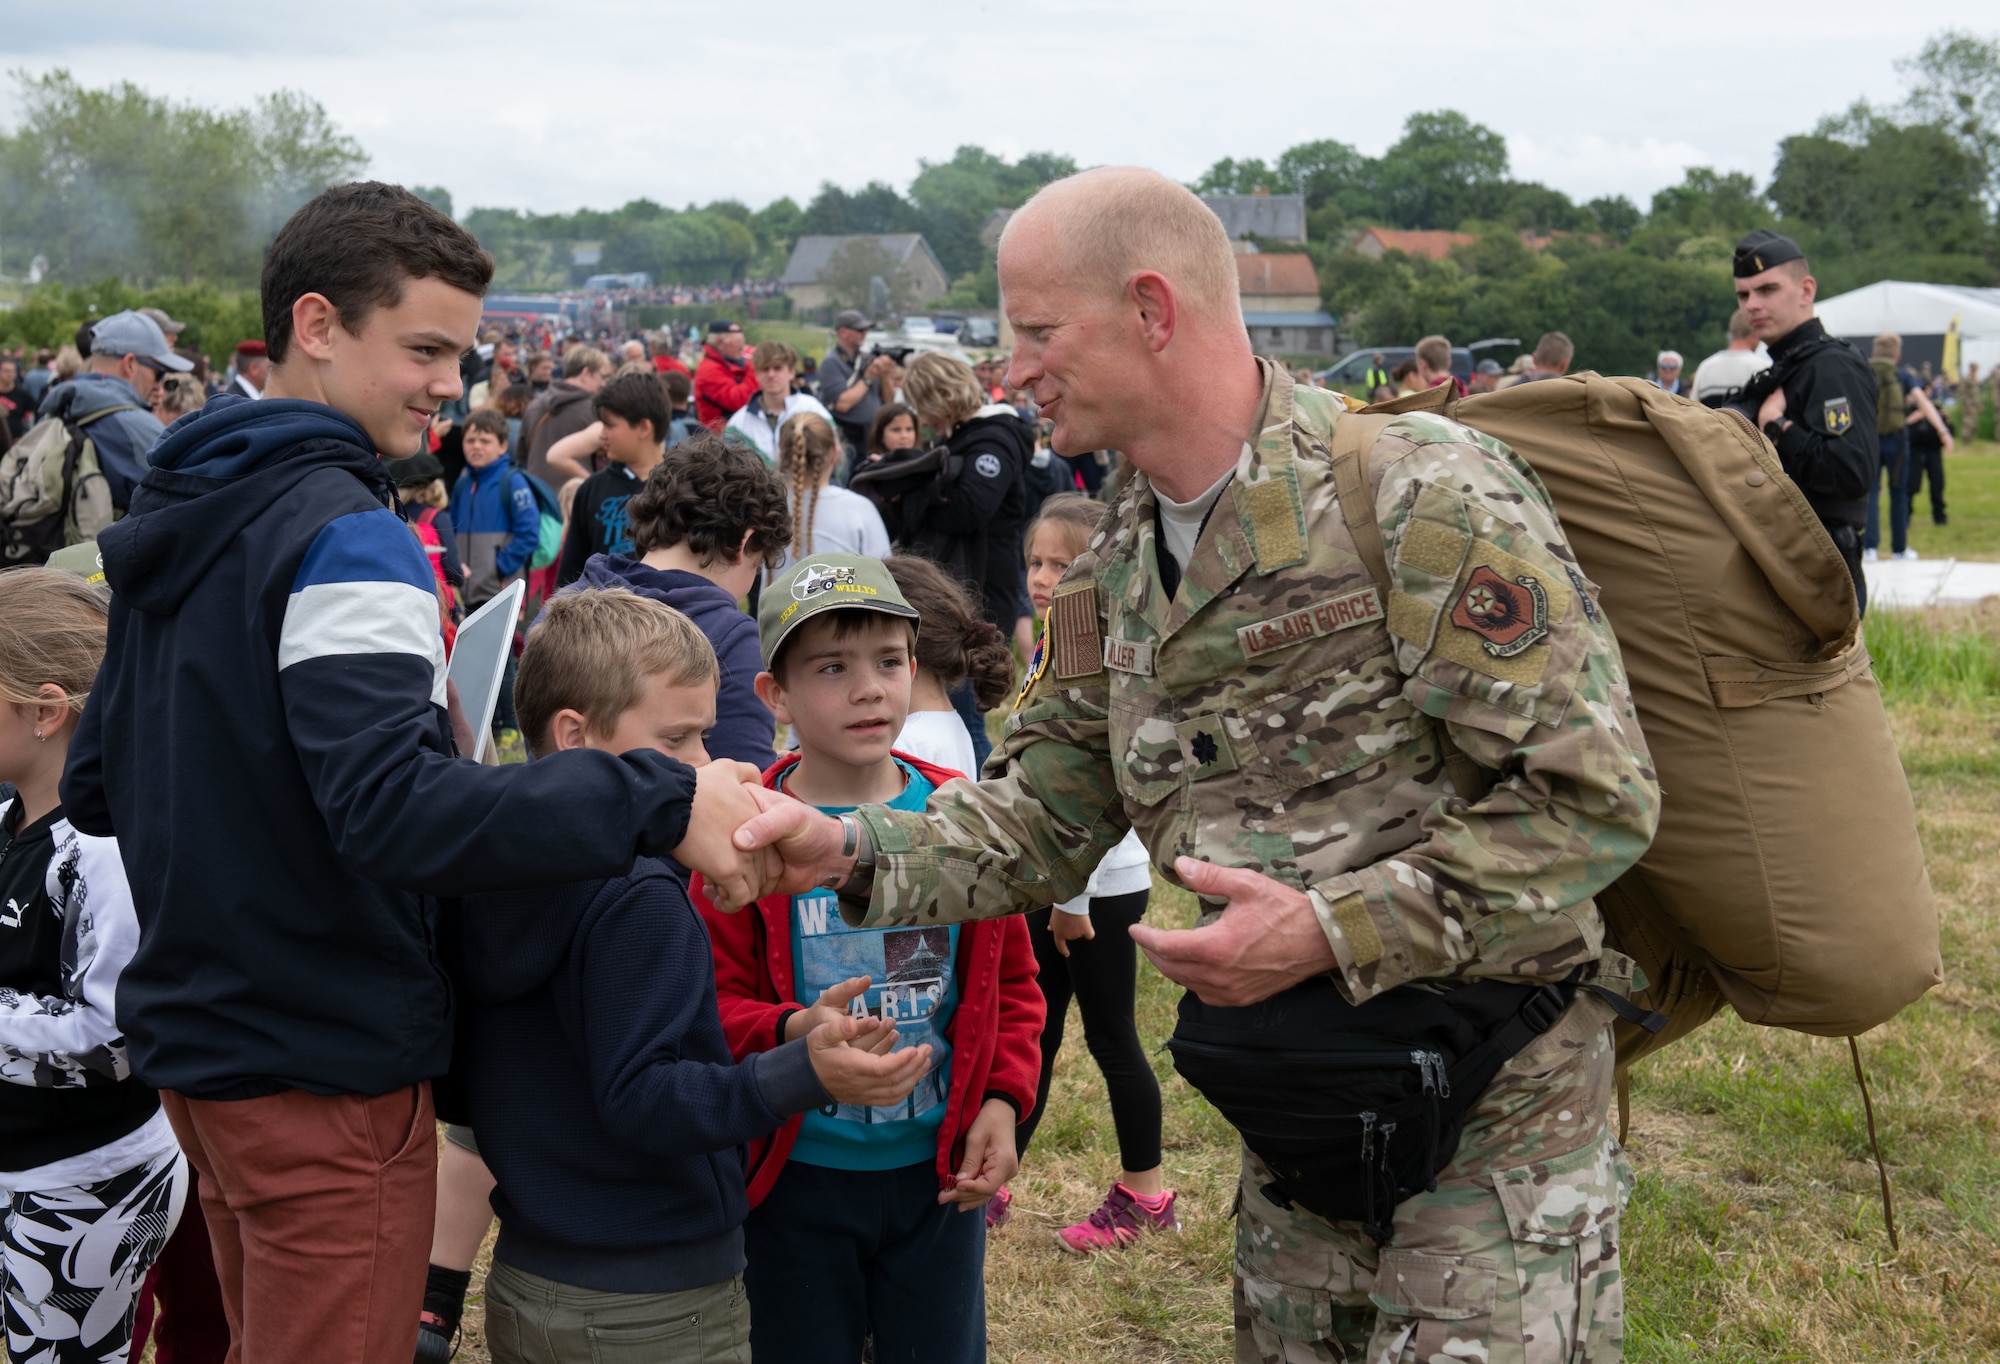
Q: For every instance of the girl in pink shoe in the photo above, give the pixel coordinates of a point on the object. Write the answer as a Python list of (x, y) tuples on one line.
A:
[(1083, 951)]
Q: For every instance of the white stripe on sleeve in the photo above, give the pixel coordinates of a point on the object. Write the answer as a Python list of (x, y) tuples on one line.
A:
[(363, 618)]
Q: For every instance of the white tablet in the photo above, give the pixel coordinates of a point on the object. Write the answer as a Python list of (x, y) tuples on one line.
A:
[(479, 661)]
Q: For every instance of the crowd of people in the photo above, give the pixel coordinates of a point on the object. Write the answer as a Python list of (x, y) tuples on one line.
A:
[(676, 493), (270, 929)]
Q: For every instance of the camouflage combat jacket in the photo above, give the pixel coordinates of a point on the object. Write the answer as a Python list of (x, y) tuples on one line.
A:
[(1281, 713)]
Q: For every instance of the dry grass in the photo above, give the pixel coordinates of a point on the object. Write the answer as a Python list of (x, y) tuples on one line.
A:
[(1756, 1232)]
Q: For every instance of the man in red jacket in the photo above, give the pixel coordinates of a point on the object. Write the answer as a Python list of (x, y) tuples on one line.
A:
[(852, 1230), (723, 381)]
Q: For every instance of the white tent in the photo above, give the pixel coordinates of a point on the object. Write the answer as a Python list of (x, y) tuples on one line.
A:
[(1920, 314)]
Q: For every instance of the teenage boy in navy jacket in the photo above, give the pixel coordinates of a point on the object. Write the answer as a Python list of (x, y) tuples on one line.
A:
[(268, 740)]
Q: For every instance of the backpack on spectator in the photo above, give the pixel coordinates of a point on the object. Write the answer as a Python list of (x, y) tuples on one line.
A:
[(549, 533), (52, 489), (423, 520), (1889, 397), (1787, 878)]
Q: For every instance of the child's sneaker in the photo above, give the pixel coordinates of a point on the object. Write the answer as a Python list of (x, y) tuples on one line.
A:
[(998, 1209), (436, 1340), (1119, 1220)]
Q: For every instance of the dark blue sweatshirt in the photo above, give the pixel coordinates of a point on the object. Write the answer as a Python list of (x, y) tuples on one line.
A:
[(602, 1087), (267, 740), (743, 724)]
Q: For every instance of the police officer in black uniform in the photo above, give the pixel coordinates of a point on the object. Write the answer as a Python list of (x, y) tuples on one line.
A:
[(1816, 402)]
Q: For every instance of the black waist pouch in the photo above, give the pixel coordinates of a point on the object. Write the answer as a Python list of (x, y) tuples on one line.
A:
[(1354, 1108)]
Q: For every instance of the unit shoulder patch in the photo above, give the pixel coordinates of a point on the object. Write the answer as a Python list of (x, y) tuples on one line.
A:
[(1509, 617), (1839, 415), (1037, 665)]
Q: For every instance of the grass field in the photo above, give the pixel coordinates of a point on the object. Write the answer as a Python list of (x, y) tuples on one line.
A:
[(811, 341), (1972, 498), (1756, 1231)]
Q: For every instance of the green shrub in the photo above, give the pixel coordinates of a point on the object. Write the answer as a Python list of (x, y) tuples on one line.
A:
[(216, 318)]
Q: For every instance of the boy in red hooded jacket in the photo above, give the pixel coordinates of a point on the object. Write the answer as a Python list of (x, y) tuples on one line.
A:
[(864, 1221)]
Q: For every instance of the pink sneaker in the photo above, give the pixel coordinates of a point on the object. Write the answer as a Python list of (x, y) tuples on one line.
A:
[(998, 1209), (1118, 1221)]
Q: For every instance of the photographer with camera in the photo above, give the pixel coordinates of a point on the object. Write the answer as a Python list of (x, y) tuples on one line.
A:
[(850, 386)]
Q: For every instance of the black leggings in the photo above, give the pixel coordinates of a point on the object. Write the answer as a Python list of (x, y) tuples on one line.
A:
[(1101, 972)]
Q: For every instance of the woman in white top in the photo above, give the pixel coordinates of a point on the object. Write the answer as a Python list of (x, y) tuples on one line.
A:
[(1085, 952), (760, 420), (825, 519), (953, 643)]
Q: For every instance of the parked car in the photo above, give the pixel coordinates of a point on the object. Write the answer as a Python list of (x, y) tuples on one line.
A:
[(948, 323), (980, 331), (1350, 370), (919, 326)]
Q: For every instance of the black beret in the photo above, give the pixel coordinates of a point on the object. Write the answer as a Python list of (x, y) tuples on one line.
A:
[(1763, 249)]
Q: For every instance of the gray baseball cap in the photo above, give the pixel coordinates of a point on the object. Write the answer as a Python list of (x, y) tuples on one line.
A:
[(852, 320), (167, 324), (130, 333)]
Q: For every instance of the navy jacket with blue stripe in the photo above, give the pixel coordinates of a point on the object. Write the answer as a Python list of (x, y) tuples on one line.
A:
[(267, 740)]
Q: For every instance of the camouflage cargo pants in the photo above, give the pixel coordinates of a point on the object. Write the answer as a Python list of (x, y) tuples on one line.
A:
[(1513, 1260)]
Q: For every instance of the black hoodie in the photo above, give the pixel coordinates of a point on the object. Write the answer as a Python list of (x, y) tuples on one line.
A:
[(602, 1087), (972, 523), (267, 740)]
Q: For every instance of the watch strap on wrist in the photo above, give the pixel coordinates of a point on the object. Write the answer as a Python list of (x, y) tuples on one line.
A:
[(854, 843)]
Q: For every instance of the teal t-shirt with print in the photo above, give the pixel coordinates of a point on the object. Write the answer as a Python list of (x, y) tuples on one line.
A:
[(913, 980)]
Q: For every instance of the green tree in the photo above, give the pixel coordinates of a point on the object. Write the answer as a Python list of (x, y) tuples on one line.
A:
[(1868, 185), (1708, 201), (1442, 171), (120, 182), (851, 271), (776, 225), (1327, 172), (1615, 215), (951, 200), (437, 196), (874, 208), (1230, 176), (681, 248), (1956, 87)]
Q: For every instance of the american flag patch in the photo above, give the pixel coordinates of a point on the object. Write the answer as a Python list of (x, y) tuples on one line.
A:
[(1075, 647)]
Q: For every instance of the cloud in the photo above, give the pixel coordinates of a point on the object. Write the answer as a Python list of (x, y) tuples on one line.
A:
[(599, 101), (1587, 165)]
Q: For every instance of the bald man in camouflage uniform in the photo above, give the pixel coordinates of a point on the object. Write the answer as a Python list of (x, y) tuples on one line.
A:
[(1273, 727)]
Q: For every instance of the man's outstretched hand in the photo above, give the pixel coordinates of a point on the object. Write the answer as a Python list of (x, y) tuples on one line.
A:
[(725, 795), (799, 845), (1267, 940)]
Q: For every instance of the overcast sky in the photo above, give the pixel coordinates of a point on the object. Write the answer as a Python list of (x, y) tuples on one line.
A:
[(552, 107)]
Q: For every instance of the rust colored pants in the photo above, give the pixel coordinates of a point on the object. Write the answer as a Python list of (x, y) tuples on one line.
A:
[(319, 1212)]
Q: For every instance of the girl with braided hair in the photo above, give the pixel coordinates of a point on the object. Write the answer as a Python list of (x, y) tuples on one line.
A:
[(826, 519)]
